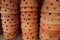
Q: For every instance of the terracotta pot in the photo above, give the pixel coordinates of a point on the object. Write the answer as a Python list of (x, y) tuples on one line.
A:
[(30, 34), (29, 26), (25, 34), (8, 11), (10, 25), (54, 27), (50, 21), (28, 3), (29, 15), (29, 9), (29, 30), (9, 4), (51, 15), (10, 35), (9, 16), (46, 37), (35, 37), (10, 21), (51, 6), (50, 33), (29, 20), (10, 28)]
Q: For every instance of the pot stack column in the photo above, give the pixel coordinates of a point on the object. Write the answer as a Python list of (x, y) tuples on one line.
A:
[(9, 16), (50, 20), (29, 19)]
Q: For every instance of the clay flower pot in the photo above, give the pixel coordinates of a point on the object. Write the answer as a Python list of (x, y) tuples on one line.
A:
[(9, 16), (50, 33), (29, 9), (29, 14), (50, 16), (8, 11), (9, 4), (50, 21), (54, 27), (51, 6), (28, 3), (10, 35), (29, 31), (46, 37)]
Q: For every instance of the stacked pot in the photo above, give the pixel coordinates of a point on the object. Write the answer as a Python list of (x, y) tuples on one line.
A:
[(50, 20), (29, 21), (9, 16)]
